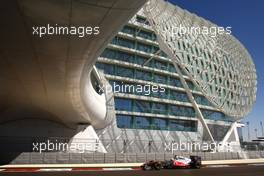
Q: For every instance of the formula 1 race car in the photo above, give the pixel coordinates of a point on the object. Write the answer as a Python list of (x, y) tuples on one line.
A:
[(174, 163)]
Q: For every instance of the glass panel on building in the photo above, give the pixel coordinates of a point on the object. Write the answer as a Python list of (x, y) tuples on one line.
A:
[(123, 104), (124, 121)]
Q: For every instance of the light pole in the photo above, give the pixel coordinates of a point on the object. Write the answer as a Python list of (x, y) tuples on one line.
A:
[(248, 131), (262, 132)]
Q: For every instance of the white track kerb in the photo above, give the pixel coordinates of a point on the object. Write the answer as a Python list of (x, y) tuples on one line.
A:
[(126, 165)]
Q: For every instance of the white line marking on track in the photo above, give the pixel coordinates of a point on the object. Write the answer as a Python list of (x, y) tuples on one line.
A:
[(55, 169), (260, 164), (2, 170), (219, 166), (113, 169)]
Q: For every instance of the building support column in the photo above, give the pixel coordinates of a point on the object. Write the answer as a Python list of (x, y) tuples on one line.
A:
[(191, 98), (233, 144), (86, 140)]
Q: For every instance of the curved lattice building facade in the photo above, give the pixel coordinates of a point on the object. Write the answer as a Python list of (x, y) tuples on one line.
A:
[(208, 82)]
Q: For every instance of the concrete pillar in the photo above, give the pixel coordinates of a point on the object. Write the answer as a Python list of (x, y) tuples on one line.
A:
[(86, 140)]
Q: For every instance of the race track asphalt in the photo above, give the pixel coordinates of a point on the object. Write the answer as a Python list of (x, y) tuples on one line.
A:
[(245, 170)]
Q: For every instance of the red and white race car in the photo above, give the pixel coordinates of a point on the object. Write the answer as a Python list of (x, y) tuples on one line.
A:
[(176, 162)]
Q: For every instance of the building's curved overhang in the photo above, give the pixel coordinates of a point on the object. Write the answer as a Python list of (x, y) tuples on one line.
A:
[(50, 73)]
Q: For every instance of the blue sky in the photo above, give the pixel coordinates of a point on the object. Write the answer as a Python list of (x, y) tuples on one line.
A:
[(246, 19)]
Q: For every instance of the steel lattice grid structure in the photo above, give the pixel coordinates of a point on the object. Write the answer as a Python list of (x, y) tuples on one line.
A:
[(219, 66)]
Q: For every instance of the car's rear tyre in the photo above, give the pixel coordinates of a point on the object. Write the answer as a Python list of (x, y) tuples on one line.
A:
[(158, 166), (196, 162), (197, 166), (147, 167)]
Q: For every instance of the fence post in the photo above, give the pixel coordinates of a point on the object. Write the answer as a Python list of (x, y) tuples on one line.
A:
[(149, 145), (124, 145)]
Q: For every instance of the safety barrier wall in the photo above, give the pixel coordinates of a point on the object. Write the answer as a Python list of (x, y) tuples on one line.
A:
[(89, 158)]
